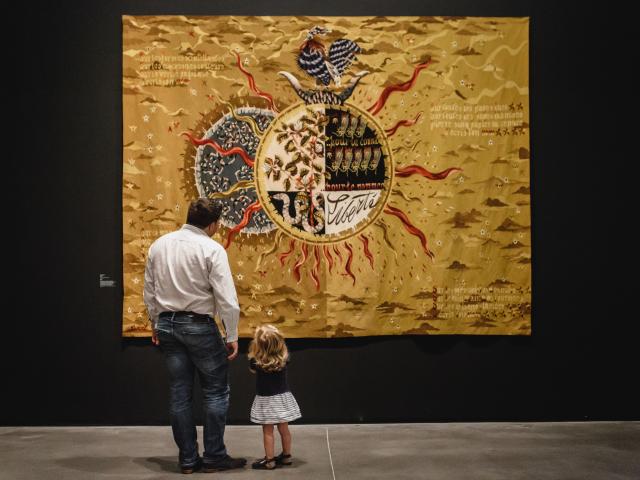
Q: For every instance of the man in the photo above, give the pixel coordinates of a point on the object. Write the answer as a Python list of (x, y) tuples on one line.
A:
[(187, 282)]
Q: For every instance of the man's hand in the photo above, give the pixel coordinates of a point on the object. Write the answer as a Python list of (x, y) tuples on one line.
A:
[(154, 338), (232, 348)]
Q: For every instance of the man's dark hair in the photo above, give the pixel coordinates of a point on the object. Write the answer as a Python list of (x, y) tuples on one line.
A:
[(203, 212)]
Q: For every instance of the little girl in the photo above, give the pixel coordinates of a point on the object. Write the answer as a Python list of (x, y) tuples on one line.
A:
[(274, 404)]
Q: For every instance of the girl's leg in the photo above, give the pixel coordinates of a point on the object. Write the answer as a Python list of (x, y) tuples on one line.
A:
[(267, 437), (285, 436)]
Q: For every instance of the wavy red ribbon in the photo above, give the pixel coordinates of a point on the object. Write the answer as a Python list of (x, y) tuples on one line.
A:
[(235, 150), (283, 256), (349, 260), (337, 252), (402, 123), (316, 265), (328, 256), (409, 227), (296, 268), (365, 241), (401, 87), (418, 170), (254, 88), (248, 213)]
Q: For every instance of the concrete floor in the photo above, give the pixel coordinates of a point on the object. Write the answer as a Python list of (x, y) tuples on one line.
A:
[(452, 451)]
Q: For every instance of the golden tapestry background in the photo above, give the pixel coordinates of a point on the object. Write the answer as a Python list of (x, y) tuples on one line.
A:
[(181, 75)]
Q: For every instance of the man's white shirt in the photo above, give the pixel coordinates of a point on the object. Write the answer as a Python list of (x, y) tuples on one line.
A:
[(189, 271)]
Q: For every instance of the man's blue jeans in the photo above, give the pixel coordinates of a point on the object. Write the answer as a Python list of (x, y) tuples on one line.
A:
[(192, 344)]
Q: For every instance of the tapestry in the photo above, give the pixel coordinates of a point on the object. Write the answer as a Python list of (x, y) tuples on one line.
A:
[(373, 172)]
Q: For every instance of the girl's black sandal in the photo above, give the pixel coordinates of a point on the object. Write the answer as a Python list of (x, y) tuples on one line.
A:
[(283, 460), (264, 464)]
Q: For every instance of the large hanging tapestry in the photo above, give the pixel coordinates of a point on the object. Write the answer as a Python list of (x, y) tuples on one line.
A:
[(373, 171)]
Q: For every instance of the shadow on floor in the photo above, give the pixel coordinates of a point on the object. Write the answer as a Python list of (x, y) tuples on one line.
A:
[(158, 464), (118, 464)]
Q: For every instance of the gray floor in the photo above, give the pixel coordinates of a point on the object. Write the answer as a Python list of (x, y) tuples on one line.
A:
[(491, 451)]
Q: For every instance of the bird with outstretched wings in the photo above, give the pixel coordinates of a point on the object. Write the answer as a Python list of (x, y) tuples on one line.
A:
[(315, 61)]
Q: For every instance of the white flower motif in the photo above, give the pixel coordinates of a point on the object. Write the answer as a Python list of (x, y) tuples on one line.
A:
[(159, 196), (159, 147), (133, 128), (167, 183), (136, 280), (150, 149), (462, 82), (490, 142), (269, 312), (193, 92), (145, 118), (439, 243), (153, 109), (240, 263), (434, 148), (149, 135), (482, 231), (158, 179), (314, 306), (239, 276)]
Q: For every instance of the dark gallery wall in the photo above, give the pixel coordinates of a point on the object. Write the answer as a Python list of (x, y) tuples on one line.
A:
[(63, 358)]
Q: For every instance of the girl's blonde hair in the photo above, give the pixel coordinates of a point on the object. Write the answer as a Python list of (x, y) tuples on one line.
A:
[(268, 349)]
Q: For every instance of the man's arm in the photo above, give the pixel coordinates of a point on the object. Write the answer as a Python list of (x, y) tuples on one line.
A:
[(150, 297), (225, 295)]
